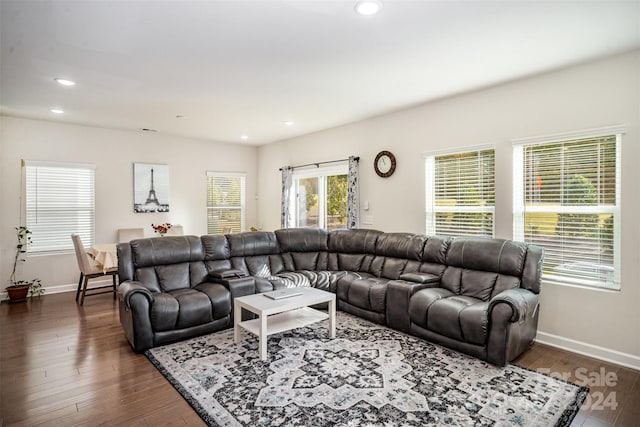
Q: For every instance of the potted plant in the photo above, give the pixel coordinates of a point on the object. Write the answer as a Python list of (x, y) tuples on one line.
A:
[(19, 289)]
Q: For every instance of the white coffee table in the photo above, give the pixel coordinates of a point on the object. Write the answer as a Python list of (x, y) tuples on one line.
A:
[(282, 315)]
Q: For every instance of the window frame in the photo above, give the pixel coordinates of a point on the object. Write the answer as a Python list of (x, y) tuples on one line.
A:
[(431, 209), (243, 199), (63, 235), (520, 210), (321, 172)]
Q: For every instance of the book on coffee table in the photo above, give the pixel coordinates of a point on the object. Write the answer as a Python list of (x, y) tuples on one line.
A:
[(283, 293)]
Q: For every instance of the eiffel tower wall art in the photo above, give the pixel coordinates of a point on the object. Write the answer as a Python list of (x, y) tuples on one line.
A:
[(150, 187)]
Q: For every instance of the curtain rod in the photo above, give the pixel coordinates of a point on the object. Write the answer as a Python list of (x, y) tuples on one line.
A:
[(357, 159)]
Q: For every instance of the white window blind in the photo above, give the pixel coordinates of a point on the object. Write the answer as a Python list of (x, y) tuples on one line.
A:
[(567, 200), (460, 193), (225, 203), (60, 200)]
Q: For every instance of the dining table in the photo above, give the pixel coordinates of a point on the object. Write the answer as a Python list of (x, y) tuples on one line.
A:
[(105, 254)]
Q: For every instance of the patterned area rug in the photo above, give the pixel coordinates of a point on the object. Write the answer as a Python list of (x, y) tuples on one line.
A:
[(368, 375)]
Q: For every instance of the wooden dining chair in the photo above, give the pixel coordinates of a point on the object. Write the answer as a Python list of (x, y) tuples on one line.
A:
[(125, 235), (89, 269)]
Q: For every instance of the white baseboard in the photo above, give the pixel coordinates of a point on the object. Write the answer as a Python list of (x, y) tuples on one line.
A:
[(58, 289), (590, 350)]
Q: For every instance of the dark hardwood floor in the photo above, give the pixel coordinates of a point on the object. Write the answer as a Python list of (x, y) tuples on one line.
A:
[(66, 365)]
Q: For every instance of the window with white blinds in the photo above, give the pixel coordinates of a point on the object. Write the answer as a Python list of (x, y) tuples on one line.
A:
[(60, 200), (567, 200), (460, 193), (225, 203)]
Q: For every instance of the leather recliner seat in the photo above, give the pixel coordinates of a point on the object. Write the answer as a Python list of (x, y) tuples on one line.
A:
[(476, 295), (165, 291)]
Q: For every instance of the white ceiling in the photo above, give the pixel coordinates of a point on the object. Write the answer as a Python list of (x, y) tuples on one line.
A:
[(244, 67)]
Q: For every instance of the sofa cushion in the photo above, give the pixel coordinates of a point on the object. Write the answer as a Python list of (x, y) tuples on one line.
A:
[(303, 239), (350, 262), (422, 300), (290, 279), (216, 247), (253, 243), (258, 266), (180, 309), (148, 277), (366, 293), (174, 276), (353, 241), (219, 298), (460, 317), (166, 250), (309, 260), (184, 308), (482, 285), (486, 254), (400, 245), (435, 250)]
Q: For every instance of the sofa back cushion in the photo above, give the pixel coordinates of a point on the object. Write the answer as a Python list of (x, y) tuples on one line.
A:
[(352, 250), (303, 248), (483, 267), (217, 252), (166, 250), (435, 250), (253, 243), (168, 263), (256, 252), (486, 254), (302, 239), (394, 251)]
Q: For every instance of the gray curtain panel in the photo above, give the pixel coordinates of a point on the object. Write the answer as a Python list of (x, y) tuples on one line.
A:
[(353, 194), (285, 216)]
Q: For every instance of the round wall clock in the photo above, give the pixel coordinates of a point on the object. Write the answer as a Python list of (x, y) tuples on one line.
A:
[(385, 164)]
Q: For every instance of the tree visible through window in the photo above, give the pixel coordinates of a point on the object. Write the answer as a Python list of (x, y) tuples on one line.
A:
[(567, 200), (225, 203), (321, 198), (460, 193)]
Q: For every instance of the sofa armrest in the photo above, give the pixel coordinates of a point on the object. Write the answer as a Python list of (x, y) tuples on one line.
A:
[(399, 293), (226, 274), (129, 288), (523, 303), (420, 278), (513, 324), (238, 286), (135, 302)]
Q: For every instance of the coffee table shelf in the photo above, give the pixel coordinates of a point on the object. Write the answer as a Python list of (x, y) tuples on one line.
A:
[(286, 321)]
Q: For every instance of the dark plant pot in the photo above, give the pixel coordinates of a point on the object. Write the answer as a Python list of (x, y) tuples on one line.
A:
[(18, 293)]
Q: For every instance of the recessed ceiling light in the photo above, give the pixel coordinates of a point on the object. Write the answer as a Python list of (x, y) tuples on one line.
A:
[(288, 123), (56, 110), (65, 82), (244, 136), (368, 7)]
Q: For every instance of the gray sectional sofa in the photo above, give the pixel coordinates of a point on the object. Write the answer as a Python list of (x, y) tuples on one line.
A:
[(475, 295)]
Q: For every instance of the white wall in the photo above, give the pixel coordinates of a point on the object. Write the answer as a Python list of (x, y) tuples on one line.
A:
[(593, 95), (113, 153)]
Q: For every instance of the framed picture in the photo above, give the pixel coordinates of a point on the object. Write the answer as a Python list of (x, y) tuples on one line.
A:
[(150, 187)]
